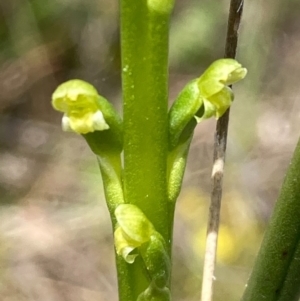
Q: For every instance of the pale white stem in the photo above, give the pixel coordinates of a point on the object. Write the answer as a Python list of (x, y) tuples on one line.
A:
[(212, 231)]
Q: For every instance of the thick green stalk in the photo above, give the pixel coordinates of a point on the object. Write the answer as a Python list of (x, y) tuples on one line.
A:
[(144, 43), (291, 287), (144, 48), (279, 252)]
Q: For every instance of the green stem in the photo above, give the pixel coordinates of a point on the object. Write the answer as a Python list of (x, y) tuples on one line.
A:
[(280, 247), (111, 171), (144, 44), (291, 287)]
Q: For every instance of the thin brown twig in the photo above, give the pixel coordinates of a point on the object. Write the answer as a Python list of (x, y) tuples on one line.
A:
[(235, 13)]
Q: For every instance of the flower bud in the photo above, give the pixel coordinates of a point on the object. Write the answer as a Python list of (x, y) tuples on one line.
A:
[(133, 229)]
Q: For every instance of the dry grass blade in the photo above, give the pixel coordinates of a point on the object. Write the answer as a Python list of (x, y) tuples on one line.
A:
[(235, 13)]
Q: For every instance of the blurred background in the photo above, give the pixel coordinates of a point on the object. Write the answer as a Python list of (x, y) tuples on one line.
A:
[(55, 233)]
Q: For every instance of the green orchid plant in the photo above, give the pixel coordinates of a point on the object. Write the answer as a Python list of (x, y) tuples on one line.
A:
[(92, 116), (141, 192)]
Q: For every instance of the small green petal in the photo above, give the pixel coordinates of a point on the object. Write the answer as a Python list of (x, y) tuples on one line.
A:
[(124, 246), (220, 73), (217, 104), (221, 101), (70, 91), (237, 75)]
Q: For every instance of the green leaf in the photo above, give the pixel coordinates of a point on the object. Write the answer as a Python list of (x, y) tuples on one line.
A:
[(275, 275)]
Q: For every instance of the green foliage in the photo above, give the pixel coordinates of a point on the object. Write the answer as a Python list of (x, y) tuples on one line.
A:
[(275, 273)]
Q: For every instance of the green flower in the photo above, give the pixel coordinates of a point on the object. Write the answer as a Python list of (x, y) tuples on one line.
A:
[(213, 86), (202, 98), (133, 229), (79, 101)]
